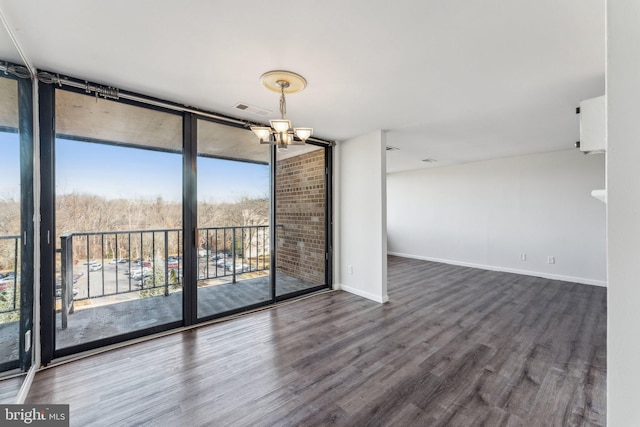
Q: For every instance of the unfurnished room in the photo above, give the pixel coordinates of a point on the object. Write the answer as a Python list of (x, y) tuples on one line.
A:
[(305, 213)]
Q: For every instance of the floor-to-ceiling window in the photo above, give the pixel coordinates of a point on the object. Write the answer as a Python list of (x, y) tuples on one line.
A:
[(16, 227), (9, 224), (301, 219), (156, 217), (118, 219), (233, 220)]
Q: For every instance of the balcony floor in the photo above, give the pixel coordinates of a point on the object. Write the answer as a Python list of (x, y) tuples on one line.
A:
[(8, 341), (112, 319), (123, 313)]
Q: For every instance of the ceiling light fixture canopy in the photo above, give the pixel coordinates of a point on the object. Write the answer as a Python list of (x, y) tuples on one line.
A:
[(280, 132)]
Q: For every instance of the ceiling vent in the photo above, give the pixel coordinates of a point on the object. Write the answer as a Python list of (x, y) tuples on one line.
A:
[(429, 160), (251, 109), (390, 148)]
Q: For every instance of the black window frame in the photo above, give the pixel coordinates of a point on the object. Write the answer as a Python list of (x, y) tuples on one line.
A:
[(27, 227), (190, 117)]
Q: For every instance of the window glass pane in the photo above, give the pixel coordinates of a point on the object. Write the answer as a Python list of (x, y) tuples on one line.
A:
[(233, 219), (300, 218), (118, 218), (10, 234)]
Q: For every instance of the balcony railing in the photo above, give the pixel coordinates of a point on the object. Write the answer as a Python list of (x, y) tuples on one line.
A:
[(107, 264), (9, 264)]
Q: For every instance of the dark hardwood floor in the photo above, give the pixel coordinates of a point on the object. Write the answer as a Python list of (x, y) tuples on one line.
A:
[(454, 347), (10, 387)]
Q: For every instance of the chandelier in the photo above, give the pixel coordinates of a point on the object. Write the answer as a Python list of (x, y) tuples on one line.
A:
[(280, 132)]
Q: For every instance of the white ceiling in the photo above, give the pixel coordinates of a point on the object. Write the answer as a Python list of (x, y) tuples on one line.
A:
[(455, 80)]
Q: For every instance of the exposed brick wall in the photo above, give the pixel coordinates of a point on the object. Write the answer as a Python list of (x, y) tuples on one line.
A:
[(300, 216)]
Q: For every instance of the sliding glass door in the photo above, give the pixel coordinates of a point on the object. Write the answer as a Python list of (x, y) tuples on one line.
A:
[(233, 247), (118, 220), (16, 226), (155, 218), (10, 241), (301, 218)]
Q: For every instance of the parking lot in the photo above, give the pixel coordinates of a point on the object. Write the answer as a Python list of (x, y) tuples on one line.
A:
[(92, 279)]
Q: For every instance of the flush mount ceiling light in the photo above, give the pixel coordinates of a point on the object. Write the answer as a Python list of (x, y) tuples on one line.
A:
[(280, 132)]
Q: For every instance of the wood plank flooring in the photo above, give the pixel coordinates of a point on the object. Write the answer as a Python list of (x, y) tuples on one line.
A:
[(10, 387), (454, 346)]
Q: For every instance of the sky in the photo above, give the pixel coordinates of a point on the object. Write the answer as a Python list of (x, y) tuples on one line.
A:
[(9, 166), (121, 172)]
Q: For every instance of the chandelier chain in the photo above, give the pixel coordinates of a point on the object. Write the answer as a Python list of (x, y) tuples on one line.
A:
[(283, 103)]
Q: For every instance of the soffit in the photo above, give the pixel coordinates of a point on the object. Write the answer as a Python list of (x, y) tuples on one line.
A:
[(8, 103), (96, 119)]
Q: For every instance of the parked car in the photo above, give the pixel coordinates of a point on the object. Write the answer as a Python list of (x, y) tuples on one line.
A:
[(59, 290), (142, 282), (95, 267), (123, 261), (138, 273), (90, 262), (240, 267), (138, 276), (133, 270), (219, 256)]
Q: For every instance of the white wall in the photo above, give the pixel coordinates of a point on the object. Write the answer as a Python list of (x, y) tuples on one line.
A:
[(486, 214), (361, 256), (623, 212)]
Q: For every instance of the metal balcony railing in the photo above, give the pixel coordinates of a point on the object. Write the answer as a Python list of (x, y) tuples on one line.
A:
[(9, 289), (104, 264)]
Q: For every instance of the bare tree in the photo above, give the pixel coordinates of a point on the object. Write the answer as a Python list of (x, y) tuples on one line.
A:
[(110, 218)]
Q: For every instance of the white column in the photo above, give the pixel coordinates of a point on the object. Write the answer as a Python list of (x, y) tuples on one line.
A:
[(361, 214), (623, 212)]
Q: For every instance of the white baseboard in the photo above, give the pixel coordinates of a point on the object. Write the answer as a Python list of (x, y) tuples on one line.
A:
[(361, 293), (26, 386), (545, 275)]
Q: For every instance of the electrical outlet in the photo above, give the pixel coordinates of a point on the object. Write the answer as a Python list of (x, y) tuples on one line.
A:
[(523, 257), (350, 269), (551, 260)]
